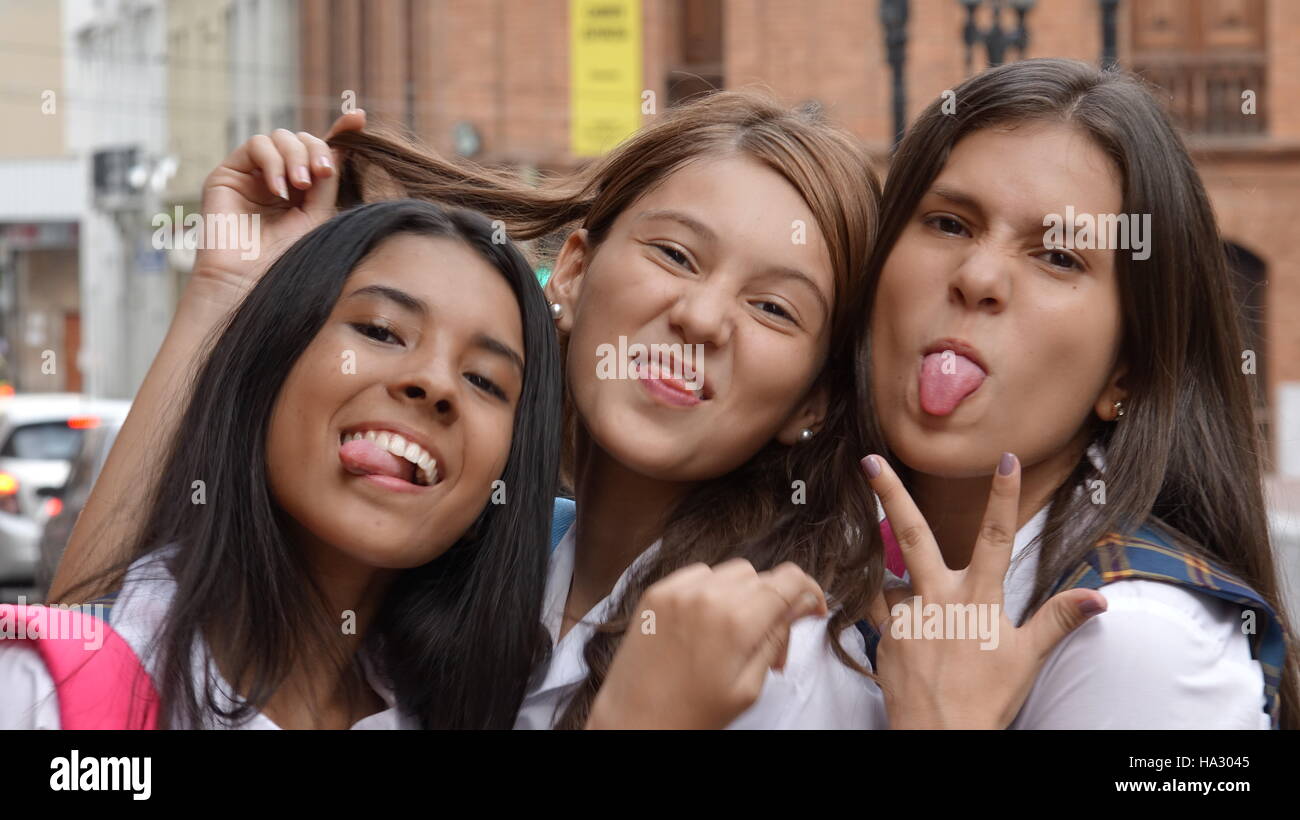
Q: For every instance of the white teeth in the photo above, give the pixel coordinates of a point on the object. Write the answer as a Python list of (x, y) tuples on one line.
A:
[(396, 445), (426, 465)]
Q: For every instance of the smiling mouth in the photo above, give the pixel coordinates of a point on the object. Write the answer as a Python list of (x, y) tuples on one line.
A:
[(385, 454), (674, 385)]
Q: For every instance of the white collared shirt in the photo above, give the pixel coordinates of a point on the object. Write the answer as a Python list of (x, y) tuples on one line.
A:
[(1161, 656), (27, 694), (815, 690)]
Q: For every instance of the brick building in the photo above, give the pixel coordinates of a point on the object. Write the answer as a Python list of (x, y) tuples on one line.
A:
[(491, 79)]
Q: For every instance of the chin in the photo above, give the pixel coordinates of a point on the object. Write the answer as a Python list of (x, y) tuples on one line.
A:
[(946, 455), (401, 555)]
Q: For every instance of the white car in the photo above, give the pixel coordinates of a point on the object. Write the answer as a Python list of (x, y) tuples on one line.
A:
[(40, 434)]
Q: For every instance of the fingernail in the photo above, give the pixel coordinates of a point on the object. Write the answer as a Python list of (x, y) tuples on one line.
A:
[(302, 174), (1006, 464), (281, 189), (808, 601), (325, 162), (1091, 606), (871, 466)]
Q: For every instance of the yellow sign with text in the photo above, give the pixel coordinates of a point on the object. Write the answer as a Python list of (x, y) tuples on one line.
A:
[(604, 73)]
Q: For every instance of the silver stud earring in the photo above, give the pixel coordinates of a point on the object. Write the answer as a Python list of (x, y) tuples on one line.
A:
[(1119, 409), (557, 310), (805, 435)]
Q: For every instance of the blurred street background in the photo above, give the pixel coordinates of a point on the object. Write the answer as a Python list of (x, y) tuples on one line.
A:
[(113, 112)]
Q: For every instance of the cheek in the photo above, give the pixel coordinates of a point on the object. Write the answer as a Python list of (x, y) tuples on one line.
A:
[(770, 379), (488, 438), (315, 387), (897, 308)]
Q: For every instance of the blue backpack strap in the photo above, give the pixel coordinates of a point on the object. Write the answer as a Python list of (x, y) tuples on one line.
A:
[(1149, 555), (872, 637), (104, 604), (562, 515)]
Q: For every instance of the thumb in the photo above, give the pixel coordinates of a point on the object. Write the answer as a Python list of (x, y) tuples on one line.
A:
[(354, 120), (1062, 614)]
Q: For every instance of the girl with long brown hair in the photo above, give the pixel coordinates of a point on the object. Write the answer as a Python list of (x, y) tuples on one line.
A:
[(739, 228), (1110, 369)]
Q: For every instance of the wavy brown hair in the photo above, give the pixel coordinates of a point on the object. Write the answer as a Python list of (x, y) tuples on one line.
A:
[(748, 512), (1187, 454)]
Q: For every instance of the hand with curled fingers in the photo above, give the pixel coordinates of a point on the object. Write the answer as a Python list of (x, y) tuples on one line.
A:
[(716, 632), (973, 681), (289, 182)]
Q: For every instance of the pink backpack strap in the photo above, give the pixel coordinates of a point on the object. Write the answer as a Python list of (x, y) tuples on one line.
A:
[(98, 688)]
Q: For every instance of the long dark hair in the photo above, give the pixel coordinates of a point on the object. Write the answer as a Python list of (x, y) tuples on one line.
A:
[(457, 637), (1187, 452), (750, 512)]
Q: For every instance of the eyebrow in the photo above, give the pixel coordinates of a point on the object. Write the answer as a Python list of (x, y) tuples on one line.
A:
[(956, 197), (400, 297), (1032, 225), (685, 219), (499, 348), (416, 305)]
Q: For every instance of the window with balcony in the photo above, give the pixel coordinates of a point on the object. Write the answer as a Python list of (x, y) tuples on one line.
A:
[(1205, 54)]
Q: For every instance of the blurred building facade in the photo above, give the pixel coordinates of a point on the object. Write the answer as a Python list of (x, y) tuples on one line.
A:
[(491, 79), (42, 194), (151, 94)]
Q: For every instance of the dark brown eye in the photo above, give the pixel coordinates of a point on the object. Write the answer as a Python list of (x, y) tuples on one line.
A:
[(674, 254), (947, 224), (486, 384), (380, 333), (775, 309), (1061, 259)]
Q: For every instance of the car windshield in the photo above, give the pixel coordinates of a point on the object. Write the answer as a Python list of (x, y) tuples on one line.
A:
[(47, 440)]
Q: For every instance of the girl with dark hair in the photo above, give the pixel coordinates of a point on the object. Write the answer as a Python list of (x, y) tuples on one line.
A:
[(1110, 369), (736, 482), (320, 539)]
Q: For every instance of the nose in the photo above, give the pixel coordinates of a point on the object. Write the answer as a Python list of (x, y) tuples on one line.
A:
[(982, 281), (702, 313), (432, 388)]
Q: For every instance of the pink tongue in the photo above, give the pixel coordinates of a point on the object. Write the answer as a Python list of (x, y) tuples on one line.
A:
[(363, 457), (941, 391)]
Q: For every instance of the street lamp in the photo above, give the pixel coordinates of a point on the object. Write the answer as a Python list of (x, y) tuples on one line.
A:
[(1108, 56), (996, 41), (893, 19)]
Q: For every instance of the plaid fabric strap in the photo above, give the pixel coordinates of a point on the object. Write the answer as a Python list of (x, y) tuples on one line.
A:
[(1148, 555)]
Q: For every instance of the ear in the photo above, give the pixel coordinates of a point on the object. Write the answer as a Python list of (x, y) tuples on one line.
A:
[(565, 285), (1114, 391), (809, 415)]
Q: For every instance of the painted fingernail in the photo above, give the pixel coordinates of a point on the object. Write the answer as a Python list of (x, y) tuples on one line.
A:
[(1006, 464), (302, 174), (871, 466), (1091, 606), (325, 162), (281, 189)]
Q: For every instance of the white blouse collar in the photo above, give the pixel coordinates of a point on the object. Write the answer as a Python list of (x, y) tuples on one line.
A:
[(567, 665)]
